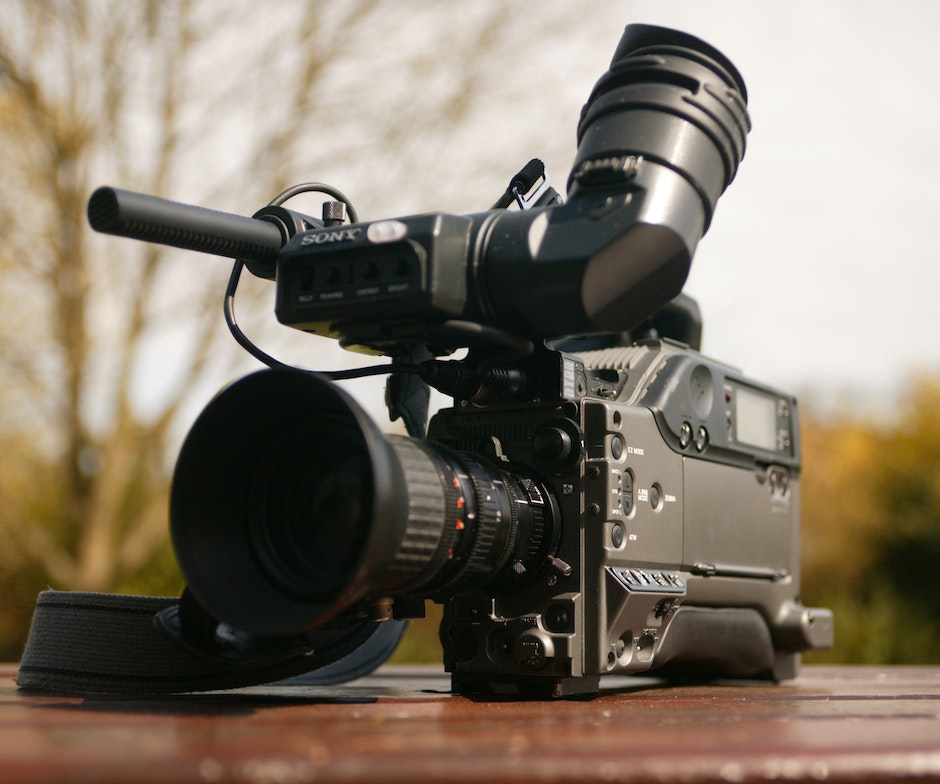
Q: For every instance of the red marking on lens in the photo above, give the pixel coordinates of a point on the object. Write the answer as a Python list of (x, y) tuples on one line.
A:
[(460, 525), (460, 502)]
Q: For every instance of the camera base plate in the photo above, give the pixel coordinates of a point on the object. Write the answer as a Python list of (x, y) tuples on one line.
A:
[(526, 688)]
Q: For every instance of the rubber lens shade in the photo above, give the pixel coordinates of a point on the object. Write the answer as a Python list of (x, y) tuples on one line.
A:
[(275, 503)]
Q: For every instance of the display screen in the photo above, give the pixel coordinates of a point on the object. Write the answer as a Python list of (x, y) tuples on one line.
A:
[(756, 419)]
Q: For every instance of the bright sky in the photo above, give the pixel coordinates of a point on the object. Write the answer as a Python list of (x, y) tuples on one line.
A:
[(821, 272)]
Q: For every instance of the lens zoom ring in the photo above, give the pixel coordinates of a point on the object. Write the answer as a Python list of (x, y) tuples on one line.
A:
[(428, 534)]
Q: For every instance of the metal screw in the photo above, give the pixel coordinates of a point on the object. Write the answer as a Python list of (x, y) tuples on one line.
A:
[(334, 213)]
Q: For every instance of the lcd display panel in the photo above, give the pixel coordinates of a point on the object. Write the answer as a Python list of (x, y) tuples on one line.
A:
[(755, 419)]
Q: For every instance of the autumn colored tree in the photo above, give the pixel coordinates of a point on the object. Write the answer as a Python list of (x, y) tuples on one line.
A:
[(906, 474), (108, 347), (871, 528)]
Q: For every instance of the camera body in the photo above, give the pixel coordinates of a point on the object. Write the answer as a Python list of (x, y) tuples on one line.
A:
[(600, 499), (676, 481)]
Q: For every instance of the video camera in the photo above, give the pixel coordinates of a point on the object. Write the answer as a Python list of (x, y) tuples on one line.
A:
[(601, 498)]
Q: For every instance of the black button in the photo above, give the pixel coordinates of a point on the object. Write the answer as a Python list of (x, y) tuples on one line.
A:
[(616, 447)]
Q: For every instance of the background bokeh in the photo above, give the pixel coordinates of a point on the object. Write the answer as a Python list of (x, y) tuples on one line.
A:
[(819, 274)]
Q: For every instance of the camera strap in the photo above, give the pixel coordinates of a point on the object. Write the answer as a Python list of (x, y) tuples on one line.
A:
[(108, 643)]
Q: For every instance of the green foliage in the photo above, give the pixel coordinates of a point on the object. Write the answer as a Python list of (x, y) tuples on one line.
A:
[(421, 644), (38, 547), (20, 587)]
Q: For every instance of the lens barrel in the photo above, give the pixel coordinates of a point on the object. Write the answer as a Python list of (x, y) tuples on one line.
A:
[(468, 523), (288, 506), (674, 100)]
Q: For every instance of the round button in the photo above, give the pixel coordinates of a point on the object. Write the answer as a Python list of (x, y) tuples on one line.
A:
[(685, 435), (616, 447), (616, 536), (552, 444), (656, 496), (557, 442), (557, 618), (533, 650), (701, 439)]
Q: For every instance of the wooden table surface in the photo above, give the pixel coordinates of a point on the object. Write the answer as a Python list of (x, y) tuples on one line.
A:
[(402, 725)]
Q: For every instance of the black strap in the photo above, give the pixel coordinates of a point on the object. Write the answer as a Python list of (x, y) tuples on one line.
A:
[(107, 643)]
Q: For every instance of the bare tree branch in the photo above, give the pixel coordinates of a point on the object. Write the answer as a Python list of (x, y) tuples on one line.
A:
[(169, 96)]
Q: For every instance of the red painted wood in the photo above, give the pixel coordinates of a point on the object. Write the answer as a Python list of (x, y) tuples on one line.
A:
[(401, 725)]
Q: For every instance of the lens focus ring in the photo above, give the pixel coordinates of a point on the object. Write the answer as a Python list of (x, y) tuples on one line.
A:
[(491, 525)]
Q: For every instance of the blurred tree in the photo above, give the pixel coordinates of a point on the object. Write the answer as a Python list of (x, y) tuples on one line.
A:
[(106, 345), (907, 545), (871, 529), (838, 502)]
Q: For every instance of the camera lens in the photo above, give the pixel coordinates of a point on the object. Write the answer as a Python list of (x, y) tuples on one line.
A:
[(288, 506), (309, 505)]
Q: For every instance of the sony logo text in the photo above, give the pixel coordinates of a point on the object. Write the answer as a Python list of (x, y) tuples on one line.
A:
[(334, 235)]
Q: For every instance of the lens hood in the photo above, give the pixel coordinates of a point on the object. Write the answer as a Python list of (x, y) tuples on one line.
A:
[(275, 503)]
